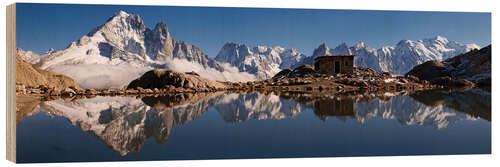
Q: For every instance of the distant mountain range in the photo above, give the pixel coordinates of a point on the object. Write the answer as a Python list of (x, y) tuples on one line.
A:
[(123, 48), (397, 59)]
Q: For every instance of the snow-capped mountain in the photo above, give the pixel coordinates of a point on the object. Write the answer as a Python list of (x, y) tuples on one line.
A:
[(262, 61), (123, 48), (406, 54), (397, 59), (28, 56)]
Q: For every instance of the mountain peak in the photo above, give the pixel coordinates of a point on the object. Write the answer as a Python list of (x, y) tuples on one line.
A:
[(161, 25), (438, 38), (441, 38), (342, 46), (123, 18), (404, 42), (123, 13), (360, 43)]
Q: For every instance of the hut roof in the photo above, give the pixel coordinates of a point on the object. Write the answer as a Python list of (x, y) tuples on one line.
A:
[(329, 56)]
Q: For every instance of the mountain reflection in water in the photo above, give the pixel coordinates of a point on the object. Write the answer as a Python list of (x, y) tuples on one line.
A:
[(125, 123)]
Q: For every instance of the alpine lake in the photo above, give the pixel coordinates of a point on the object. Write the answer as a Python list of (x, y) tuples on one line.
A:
[(224, 125)]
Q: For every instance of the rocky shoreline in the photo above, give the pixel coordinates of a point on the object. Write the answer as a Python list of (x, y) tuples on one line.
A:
[(300, 80)]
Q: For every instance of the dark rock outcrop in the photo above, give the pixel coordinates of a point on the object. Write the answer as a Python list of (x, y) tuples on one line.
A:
[(474, 66), (163, 78), (302, 71), (429, 70)]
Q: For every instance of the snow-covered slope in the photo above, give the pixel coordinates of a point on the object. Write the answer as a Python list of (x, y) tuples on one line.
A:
[(262, 61), (123, 48), (407, 54), (397, 59), (28, 56)]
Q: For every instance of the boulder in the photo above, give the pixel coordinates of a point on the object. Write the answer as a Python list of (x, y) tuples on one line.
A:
[(156, 91), (91, 92), (282, 74), (54, 92), (353, 82), (68, 92), (429, 70), (193, 73), (162, 78)]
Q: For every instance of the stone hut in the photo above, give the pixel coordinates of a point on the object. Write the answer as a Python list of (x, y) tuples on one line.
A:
[(332, 65)]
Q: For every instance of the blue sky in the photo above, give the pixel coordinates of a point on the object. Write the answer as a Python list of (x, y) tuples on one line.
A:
[(44, 26)]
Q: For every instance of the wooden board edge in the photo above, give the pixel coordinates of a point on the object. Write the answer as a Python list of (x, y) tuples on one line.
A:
[(11, 82)]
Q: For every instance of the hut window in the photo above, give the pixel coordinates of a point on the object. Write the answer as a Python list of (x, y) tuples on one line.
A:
[(346, 63)]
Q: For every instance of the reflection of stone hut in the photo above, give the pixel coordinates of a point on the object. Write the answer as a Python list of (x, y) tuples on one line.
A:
[(334, 64), (343, 108)]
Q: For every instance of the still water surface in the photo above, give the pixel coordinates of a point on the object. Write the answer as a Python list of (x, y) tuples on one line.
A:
[(254, 125)]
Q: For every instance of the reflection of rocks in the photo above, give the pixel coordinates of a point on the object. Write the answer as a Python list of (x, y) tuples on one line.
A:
[(400, 107), (25, 106), (171, 100), (124, 124), (410, 112), (474, 102)]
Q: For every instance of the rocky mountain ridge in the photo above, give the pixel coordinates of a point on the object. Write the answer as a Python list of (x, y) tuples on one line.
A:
[(474, 65), (32, 80)]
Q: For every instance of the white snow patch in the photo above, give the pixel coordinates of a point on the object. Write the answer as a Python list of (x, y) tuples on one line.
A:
[(388, 80), (230, 73)]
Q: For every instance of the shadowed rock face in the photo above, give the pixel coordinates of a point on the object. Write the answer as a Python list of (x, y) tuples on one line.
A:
[(474, 102), (429, 70)]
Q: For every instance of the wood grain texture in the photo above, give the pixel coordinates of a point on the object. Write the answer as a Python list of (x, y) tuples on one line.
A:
[(11, 81)]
